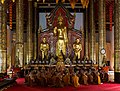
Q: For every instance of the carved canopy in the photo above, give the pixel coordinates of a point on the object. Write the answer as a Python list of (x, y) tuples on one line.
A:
[(60, 10)]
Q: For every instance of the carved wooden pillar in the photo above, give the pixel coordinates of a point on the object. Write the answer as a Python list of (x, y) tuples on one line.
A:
[(19, 33), (0, 38), (102, 30), (4, 38), (117, 40), (92, 33), (35, 32), (86, 34), (29, 32)]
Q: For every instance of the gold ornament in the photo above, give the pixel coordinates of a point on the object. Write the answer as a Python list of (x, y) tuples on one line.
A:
[(57, 1), (63, 1), (13, 1), (2, 1)]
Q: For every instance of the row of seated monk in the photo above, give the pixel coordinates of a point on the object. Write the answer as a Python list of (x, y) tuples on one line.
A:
[(69, 76)]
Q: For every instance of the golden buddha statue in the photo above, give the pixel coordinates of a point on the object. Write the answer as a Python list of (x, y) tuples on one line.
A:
[(61, 31), (77, 47), (44, 47)]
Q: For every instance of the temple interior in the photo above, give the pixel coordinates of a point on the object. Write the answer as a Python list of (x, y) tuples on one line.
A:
[(69, 37)]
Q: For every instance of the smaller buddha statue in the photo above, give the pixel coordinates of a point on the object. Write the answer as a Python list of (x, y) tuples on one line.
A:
[(44, 48), (77, 47)]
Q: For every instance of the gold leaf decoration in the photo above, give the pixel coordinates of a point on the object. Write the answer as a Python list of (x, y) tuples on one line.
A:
[(73, 2), (85, 3), (2, 1), (57, 1), (63, 1)]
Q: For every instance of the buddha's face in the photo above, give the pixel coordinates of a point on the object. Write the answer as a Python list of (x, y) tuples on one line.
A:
[(60, 22), (44, 40), (77, 40)]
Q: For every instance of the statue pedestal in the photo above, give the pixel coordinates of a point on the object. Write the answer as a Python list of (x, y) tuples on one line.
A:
[(60, 64)]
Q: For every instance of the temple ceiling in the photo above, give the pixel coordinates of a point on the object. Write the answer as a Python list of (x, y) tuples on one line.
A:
[(48, 5)]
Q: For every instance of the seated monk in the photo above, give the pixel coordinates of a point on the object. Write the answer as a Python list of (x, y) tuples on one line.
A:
[(99, 80), (53, 79), (105, 77), (38, 75), (66, 79), (27, 78), (85, 78), (32, 77), (75, 80), (48, 77), (90, 78), (96, 77), (102, 75), (59, 80), (43, 79)]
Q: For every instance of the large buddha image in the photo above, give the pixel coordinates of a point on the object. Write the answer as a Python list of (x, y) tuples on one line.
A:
[(62, 39)]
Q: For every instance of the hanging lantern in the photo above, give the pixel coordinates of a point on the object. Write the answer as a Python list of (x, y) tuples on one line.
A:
[(63, 1), (2, 1), (85, 3), (13, 1), (10, 15), (73, 2), (110, 16), (57, 1), (43, 1)]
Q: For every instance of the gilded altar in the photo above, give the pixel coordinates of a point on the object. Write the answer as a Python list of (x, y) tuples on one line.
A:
[(54, 36)]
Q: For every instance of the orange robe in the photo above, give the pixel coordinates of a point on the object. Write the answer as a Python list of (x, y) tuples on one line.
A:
[(66, 79), (99, 80), (75, 81)]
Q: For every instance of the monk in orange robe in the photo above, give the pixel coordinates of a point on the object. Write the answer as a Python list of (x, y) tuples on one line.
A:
[(66, 79), (75, 79)]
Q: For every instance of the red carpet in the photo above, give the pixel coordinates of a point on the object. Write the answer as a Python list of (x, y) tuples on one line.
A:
[(102, 87)]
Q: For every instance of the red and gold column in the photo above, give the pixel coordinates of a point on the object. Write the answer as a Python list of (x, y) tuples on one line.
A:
[(19, 33), (10, 14)]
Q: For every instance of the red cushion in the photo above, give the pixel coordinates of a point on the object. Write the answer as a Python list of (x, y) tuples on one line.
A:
[(7, 76), (1, 79)]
